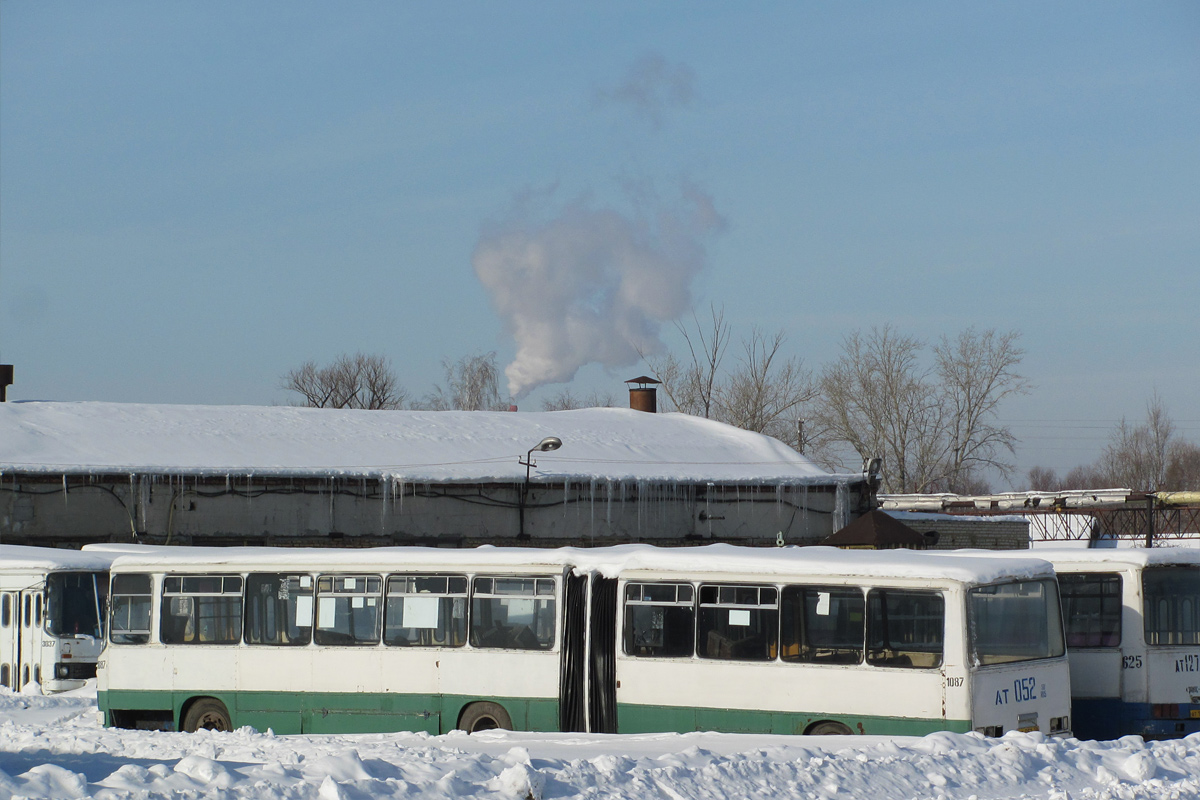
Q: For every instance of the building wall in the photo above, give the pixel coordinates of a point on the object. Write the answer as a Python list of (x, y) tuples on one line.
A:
[(37, 509), (979, 533)]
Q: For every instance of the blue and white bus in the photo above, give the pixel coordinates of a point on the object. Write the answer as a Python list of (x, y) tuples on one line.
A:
[(1133, 637)]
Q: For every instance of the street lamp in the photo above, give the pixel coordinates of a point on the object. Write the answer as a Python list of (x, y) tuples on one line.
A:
[(544, 446)]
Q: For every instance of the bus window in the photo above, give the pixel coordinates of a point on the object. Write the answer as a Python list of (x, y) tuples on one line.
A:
[(1091, 608), (5, 610), (279, 609), (348, 609), (201, 609), (822, 624), (740, 623), (1172, 599), (131, 598), (73, 604), (426, 610), (905, 629), (513, 613), (1015, 622), (660, 620)]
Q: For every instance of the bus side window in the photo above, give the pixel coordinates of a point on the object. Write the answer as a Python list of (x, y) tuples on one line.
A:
[(348, 609), (822, 624), (738, 623), (5, 611), (905, 628), (130, 609), (660, 620), (201, 609), (1171, 605), (512, 613), (426, 611), (1091, 608), (279, 609)]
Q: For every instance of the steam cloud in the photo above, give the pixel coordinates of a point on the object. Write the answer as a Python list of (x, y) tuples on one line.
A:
[(591, 284), (651, 87)]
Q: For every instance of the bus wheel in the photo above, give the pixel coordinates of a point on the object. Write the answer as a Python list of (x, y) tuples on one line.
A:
[(484, 717), (207, 714), (829, 728)]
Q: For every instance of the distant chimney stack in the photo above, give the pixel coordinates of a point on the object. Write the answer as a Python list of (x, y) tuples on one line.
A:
[(643, 396), (6, 379)]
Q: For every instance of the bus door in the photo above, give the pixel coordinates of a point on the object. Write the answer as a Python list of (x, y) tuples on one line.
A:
[(29, 644), (10, 639), (587, 686)]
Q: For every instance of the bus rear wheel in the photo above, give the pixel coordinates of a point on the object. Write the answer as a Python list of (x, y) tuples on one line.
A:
[(485, 717), (829, 728), (207, 714)]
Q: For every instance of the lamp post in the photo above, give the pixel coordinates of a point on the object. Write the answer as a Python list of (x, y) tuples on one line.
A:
[(544, 446)]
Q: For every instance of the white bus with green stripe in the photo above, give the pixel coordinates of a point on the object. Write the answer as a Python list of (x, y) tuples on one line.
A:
[(51, 616), (620, 640)]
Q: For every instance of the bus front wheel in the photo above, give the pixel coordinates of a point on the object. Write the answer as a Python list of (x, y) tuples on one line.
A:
[(484, 717), (207, 714), (829, 728)]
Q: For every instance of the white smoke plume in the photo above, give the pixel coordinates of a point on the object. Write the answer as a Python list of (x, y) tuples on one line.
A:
[(651, 87), (591, 284)]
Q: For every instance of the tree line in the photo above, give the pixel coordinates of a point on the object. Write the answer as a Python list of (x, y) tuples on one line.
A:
[(930, 411)]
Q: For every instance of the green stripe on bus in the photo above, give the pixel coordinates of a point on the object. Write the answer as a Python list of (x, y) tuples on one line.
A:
[(349, 712), (655, 719)]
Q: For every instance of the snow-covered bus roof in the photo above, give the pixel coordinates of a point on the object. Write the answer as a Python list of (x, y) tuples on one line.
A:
[(610, 561), (612, 444), (46, 559), (1138, 557)]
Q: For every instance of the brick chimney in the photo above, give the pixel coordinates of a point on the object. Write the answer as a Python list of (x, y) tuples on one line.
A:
[(643, 396)]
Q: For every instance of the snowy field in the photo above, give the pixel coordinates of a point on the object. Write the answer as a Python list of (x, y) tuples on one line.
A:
[(54, 747)]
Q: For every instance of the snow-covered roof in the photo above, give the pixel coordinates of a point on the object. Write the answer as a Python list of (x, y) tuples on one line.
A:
[(418, 446), (43, 559), (1124, 556), (621, 559)]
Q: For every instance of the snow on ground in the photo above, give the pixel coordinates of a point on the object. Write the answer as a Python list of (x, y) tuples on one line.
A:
[(54, 747)]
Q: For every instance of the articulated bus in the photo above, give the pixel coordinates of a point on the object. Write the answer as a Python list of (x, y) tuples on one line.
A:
[(1133, 637), (51, 616), (623, 639)]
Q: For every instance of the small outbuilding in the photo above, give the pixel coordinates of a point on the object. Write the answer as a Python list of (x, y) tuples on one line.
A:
[(877, 530)]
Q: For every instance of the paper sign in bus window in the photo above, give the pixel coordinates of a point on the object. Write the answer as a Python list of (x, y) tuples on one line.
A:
[(822, 604), (740, 617), (356, 602), (327, 612), (420, 612), (304, 611)]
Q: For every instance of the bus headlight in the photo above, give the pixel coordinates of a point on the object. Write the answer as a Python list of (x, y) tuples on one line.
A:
[(62, 671), (1060, 724)]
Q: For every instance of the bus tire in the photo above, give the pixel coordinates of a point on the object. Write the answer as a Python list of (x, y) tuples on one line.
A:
[(829, 728), (207, 714), (484, 717)]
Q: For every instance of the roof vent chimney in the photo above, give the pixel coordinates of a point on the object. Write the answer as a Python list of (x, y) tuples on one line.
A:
[(643, 396), (6, 379)]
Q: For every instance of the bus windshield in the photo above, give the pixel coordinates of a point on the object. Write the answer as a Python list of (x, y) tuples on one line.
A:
[(1172, 612), (1015, 622), (74, 603)]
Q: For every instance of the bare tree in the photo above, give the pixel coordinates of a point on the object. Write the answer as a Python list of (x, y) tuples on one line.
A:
[(691, 387), (977, 372), (472, 384), (934, 426), (358, 381), (566, 400), (1137, 456), (765, 392)]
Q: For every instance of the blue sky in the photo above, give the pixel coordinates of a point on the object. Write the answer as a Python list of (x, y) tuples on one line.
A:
[(197, 197)]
